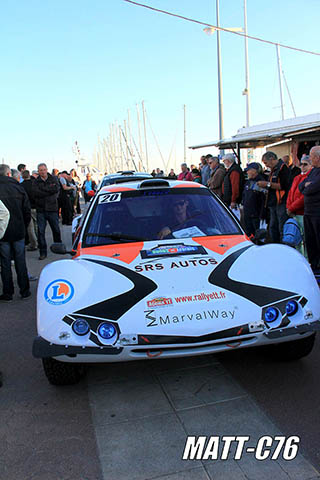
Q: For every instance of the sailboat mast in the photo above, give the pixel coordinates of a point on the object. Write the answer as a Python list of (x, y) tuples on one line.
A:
[(145, 135), (184, 134), (280, 80)]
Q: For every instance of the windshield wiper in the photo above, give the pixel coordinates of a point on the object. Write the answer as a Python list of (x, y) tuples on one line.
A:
[(118, 236)]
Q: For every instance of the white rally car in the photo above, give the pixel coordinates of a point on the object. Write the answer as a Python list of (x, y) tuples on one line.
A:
[(162, 269)]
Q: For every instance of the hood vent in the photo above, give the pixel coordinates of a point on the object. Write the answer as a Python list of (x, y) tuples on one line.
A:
[(154, 183)]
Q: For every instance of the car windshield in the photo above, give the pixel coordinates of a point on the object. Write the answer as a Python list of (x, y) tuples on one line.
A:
[(154, 214)]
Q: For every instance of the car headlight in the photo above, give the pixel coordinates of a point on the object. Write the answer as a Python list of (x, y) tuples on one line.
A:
[(291, 308), (106, 330), (81, 327), (271, 314)]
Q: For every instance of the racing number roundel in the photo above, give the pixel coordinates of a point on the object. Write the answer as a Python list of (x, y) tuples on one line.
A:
[(59, 292)]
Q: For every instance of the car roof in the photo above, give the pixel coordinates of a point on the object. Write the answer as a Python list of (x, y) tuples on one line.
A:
[(125, 173), (148, 183)]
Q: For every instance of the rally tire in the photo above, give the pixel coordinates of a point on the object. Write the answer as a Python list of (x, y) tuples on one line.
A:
[(293, 350), (62, 373)]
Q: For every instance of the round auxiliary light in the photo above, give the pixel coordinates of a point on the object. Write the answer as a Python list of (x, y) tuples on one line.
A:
[(81, 327), (271, 314), (106, 330), (291, 308)]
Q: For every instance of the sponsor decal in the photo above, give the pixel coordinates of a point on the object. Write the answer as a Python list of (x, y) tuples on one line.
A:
[(177, 264), (173, 249), (59, 292), (198, 297), (159, 302), (110, 197), (154, 320)]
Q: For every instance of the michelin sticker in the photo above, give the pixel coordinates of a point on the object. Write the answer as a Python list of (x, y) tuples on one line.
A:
[(59, 292), (110, 197)]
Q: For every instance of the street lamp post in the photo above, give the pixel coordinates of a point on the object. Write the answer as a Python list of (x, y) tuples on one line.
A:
[(247, 88), (220, 93), (210, 31)]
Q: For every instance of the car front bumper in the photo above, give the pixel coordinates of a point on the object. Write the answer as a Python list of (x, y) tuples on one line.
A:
[(90, 354)]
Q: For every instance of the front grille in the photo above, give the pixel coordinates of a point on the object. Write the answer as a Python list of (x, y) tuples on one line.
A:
[(178, 348)]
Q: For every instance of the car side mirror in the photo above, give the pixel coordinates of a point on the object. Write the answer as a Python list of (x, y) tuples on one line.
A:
[(261, 236), (60, 249)]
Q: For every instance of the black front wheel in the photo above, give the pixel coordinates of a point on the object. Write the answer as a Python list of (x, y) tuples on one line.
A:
[(62, 373), (293, 350)]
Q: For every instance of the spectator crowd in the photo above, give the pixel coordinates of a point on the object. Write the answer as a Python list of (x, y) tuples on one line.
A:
[(266, 196), (28, 202), (261, 195)]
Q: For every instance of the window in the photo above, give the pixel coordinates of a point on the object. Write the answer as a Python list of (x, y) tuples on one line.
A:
[(142, 215)]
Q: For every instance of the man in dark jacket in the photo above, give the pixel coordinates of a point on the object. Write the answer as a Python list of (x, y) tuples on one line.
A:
[(32, 227), (310, 189), (278, 186), (12, 243), (46, 191), (253, 199), (233, 182)]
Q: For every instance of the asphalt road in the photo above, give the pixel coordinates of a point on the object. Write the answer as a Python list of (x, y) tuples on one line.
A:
[(90, 431)]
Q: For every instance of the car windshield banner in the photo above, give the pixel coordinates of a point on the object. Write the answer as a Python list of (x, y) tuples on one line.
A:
[(173, 250)]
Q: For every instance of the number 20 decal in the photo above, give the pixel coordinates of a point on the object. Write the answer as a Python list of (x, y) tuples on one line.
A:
[(110, 197)]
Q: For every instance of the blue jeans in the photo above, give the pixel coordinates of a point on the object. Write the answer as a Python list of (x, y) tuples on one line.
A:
[(53, 219), (278, 216), (17, 250)]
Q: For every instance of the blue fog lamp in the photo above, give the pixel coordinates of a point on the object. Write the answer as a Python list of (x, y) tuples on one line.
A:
[(106, 330), (271, 314), (81, 327), (291, 308)]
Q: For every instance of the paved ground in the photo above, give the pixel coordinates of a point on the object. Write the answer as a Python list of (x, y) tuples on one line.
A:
[(130, 421)]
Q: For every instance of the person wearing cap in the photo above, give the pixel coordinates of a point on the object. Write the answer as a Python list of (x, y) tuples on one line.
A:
[(253, 199), (185, 174)]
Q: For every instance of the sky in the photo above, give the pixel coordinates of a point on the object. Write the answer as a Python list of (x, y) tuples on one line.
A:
[(71, 69)]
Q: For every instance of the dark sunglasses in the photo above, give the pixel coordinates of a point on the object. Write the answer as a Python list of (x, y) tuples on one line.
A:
[(304, 164), (180, 204)]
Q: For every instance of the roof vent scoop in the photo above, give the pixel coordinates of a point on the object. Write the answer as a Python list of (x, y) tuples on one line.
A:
[(154, 183)]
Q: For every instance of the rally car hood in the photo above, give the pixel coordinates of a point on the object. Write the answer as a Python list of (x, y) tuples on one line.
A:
[(185, 288)]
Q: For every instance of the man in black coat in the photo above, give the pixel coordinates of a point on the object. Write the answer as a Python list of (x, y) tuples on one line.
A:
[(278, 186), (310, 189), (33, 227), (46, 191), (12, 244)]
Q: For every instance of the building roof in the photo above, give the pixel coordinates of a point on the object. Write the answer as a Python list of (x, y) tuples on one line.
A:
[(268, 133)]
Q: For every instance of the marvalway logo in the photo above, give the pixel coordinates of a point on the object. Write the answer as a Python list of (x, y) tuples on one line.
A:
[(153, 320)]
